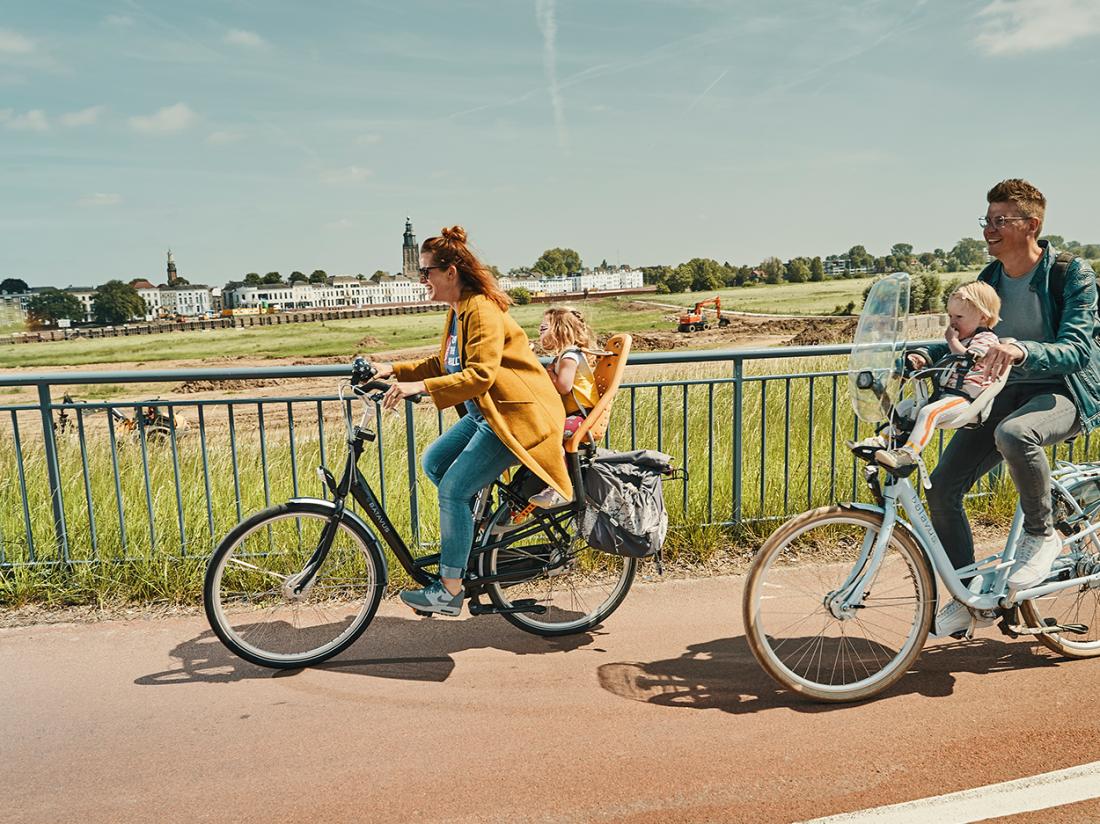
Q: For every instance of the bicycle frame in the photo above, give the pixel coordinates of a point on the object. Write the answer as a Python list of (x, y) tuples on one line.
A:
[(353, 483), (995, 567)]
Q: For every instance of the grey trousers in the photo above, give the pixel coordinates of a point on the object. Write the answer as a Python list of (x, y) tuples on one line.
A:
[(1022, 421)]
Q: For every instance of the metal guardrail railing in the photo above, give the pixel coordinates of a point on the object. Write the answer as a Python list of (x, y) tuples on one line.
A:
[(757, 430)]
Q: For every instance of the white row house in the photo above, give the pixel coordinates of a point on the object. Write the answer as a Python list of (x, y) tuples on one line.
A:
[(594, 280), (342, 290)]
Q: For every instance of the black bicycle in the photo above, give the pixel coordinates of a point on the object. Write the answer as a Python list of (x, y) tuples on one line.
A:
[(299, 582)]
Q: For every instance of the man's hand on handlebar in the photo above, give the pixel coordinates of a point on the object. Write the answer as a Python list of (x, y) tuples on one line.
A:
[(400, 391), (999, 358)]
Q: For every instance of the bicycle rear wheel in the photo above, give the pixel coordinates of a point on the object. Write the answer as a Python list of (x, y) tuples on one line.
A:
[(792, 632), (1080, 605), (581, 588), (248, 588)]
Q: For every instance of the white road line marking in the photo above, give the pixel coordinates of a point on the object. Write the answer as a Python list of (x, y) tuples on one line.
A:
[(1039, 792)]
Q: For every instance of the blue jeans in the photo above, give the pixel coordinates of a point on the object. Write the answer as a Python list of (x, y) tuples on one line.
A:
[(461, 461)]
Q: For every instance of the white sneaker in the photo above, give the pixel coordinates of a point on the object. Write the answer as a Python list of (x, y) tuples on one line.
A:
[(952, 619), (1035, 556), (547, 499)]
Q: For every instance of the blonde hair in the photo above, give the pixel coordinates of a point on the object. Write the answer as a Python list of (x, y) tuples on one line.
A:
[(567, 329), (982, 297)]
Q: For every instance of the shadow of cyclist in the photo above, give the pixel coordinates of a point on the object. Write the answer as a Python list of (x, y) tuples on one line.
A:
[(723, 674), (383, 652)]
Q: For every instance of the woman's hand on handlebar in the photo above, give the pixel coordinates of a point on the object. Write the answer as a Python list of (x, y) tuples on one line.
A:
[(400, 391), (383, 370)]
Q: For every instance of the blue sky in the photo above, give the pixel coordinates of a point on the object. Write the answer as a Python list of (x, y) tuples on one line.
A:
[(259, 135)]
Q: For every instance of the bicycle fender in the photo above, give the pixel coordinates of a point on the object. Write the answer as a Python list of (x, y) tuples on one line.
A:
[(357, 525), (878, 510)]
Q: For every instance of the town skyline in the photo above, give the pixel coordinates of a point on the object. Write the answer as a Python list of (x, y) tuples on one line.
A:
[(648, 134)]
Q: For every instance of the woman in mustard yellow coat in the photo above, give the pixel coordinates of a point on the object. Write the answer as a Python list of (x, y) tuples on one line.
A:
[(513, 412)]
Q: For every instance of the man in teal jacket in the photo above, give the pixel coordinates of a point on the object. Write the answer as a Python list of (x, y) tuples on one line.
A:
[(1052, 393)]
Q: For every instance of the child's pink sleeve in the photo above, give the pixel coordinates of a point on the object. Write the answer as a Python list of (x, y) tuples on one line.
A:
[(981, 342)]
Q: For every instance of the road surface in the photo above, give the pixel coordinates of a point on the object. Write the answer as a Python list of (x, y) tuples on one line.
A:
[(660, 716)]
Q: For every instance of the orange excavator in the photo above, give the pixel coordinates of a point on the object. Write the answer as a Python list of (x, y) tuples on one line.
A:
[(695, 321)]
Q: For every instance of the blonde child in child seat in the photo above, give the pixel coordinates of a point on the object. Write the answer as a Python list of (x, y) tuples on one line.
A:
[(564, 332), (973, 310)]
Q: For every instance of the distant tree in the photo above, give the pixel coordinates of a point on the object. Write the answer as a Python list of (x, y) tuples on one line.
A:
[(117, 302), (1056, 241), (297, 277), (902, 250), (705, 274), (603, 264), (1091, 251), (318, 276), (773, 269), (662, 288), (948, 288), (496, 272), (181, 281), (50, 305), (798, 271), (678, 280), (253, 279), (654, 274), (924, 293), (14, 285), (817, 270), (858, 258), (273, 277), (558, 263), (969, 252), (745, 276), (520, 295), (378, 275), (926, 258)]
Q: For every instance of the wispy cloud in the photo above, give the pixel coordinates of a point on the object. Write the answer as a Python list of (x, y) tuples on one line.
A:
[(164, 121), (370, 139), (84, 117), (247, 39), (342, 223), (120, 20), (1015, 26), (12, 42), (546, 14), (346, 175), (32, 121), (100, 199), (713, 83), (220, 138)]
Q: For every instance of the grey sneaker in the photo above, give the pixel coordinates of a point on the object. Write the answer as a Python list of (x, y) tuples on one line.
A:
[(434, 598), (1035, 556), (547, 499)]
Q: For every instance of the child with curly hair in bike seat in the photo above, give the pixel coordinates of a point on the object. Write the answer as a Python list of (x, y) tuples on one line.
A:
[(565, 332), (972, 310)]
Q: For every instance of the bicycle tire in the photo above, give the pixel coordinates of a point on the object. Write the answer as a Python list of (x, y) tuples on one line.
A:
[(1072, 606), (259, 622), (578, 595), (775, 584)]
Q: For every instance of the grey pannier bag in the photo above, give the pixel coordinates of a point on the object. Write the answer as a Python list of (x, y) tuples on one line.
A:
[(624, 511)]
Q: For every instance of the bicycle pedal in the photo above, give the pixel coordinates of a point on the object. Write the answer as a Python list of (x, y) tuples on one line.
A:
[(1049, 629), (518, 517)]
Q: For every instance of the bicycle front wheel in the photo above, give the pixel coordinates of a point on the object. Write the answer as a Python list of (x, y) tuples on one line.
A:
[(575, 586), (1079, 605), (249, 597), (797, 639)]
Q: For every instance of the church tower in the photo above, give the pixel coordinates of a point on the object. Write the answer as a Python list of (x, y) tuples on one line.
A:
[(171, 269), (410, 253)]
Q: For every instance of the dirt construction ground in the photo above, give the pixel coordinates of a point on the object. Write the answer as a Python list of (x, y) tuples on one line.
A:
[(661, 715)]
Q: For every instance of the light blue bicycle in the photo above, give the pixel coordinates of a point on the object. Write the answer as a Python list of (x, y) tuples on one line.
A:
[(840, 600)]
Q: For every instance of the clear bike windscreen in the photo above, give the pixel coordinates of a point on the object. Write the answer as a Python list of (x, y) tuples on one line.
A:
[(876, 363)]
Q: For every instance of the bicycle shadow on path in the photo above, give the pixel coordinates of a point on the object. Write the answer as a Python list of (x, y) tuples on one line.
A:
[(388, 640), (723, 674)]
